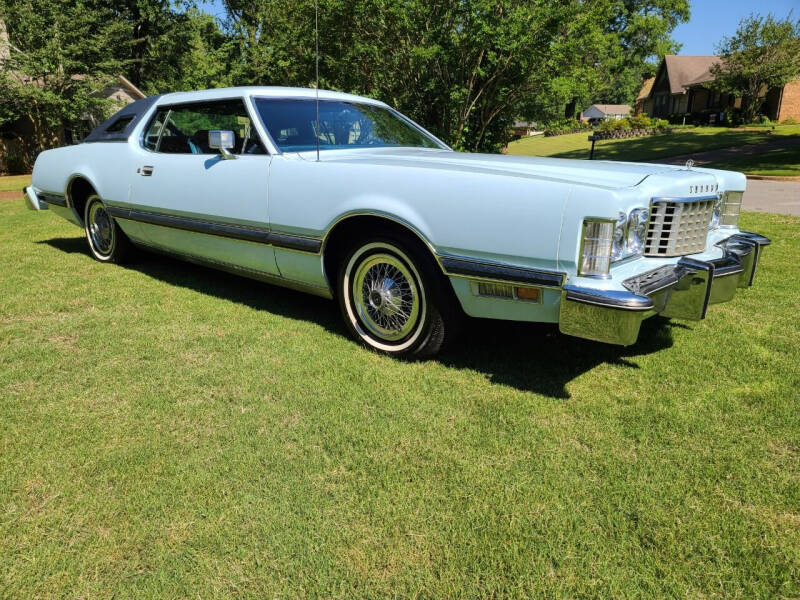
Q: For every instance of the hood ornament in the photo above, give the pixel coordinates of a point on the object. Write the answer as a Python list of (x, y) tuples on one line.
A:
[(689, 164)]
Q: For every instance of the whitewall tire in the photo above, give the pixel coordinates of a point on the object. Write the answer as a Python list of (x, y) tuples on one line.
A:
[(107, 242), (392, 299)]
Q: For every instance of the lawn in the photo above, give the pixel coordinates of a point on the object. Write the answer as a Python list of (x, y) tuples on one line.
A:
[(778, 162), (14, 183), (171, 431), (681, 141)]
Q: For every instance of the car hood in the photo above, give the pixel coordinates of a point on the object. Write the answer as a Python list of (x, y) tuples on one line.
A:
[(606, 174)]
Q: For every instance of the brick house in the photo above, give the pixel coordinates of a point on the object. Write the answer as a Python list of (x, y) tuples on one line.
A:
[(681, 89)]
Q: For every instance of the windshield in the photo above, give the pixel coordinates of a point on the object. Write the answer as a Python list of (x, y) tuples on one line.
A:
[(343, 125)]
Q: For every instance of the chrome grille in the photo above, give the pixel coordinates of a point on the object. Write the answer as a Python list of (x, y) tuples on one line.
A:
[(678, 227)]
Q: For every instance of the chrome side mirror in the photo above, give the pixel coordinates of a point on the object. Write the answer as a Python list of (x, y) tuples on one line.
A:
[(222, 140)]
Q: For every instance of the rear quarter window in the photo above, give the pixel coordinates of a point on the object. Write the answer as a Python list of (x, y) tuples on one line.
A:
[(120, 124)]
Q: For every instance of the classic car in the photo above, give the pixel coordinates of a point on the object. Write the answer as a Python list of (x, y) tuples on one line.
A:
[(344, 197)]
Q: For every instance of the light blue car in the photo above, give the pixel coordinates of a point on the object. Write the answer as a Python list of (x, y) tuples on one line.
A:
[(344, 197)]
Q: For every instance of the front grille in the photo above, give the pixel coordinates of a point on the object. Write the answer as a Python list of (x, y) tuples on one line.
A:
[(678, 228)]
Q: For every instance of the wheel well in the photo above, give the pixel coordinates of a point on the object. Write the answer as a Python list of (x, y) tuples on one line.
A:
[(79, 191), (341, 238)]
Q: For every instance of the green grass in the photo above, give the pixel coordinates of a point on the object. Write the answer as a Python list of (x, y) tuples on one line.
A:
[(171, 431), (778, 162), (681, 141), (14, 183)]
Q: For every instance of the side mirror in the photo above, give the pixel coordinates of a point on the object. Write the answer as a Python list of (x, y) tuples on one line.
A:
[(222, 140)]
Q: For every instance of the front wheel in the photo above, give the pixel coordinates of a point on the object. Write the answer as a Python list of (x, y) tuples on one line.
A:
[(393, 300), (106, 240)]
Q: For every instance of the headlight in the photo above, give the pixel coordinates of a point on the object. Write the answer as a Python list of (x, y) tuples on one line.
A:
[(715, 216), (731, 207), (595, 256), (620, 231), (637, 231)]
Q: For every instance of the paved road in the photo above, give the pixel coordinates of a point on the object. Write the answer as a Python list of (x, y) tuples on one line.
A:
[(782, 197)]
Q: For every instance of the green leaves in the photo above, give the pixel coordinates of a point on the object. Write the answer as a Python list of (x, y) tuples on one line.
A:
[(763, 53), (465, 69)]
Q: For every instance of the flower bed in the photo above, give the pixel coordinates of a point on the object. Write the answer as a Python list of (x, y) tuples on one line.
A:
[(616, 134)]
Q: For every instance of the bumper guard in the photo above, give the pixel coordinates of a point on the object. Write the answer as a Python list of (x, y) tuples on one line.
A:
[(681, 291)]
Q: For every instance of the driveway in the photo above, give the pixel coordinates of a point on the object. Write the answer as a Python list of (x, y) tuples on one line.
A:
[(721, 154), (782, 197), (763, 195)]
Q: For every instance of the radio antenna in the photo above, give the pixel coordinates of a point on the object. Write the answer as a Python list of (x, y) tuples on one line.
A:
[(316, 61)]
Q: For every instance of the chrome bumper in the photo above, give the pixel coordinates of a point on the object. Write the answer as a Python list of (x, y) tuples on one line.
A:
[(32, 201), (681, 291)]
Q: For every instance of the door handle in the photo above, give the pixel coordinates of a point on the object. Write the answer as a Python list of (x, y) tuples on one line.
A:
[(145, 171)]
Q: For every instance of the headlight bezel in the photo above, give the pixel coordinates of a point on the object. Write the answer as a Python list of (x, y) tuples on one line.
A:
[(638, 223), (620, 238), (716, 215)]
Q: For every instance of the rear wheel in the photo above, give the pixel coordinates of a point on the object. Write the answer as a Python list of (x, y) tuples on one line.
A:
[(107, 242), (393, 300)]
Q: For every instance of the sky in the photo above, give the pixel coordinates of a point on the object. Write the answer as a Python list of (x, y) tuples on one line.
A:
[(712, 19), (709, 21)]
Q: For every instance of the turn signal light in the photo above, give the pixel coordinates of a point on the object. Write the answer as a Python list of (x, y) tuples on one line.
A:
[(529, 294)]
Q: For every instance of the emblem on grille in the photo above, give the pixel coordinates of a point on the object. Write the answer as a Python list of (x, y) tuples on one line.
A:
[(689, 164)]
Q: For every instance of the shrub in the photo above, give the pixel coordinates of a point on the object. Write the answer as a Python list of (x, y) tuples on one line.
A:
[(564, 126), (640, 122)]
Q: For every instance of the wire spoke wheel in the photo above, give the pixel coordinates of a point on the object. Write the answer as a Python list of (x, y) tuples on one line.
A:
[(100, 229), (386, 297)]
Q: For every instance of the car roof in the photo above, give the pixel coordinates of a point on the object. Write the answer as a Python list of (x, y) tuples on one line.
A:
[(263, 91), (136, 111)]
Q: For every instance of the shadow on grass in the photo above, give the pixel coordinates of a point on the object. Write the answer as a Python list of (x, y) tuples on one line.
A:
[(527, 356)]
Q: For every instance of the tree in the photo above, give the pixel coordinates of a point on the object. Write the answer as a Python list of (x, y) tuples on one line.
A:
[(55, 67), (462, 68), (763, 53)]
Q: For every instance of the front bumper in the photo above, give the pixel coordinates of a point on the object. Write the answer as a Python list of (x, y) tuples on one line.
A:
[(681, 291)]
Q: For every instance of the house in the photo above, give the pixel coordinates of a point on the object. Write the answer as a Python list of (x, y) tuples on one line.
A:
[(524, 129), (682, 87), (16, 149), (602, 112)]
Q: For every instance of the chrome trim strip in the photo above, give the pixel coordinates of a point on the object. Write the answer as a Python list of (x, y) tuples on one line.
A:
[(685, 198), (296, 242), (608, 298), (53, 198), (238, 232), (459, 266)]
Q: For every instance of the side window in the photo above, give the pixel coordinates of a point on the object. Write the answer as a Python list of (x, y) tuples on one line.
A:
[(183, 129), (154, 130)]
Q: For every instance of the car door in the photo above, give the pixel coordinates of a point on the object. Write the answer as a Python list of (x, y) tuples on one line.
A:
[(193, 200)]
